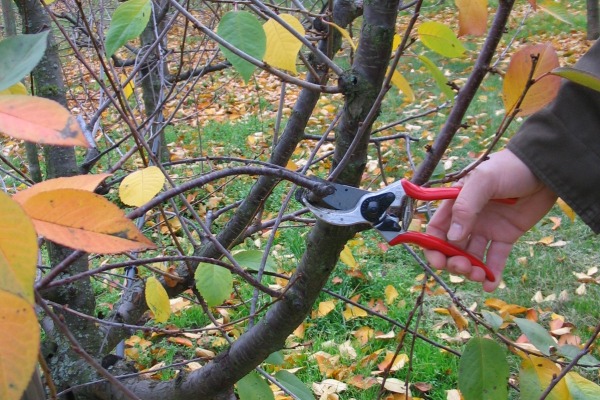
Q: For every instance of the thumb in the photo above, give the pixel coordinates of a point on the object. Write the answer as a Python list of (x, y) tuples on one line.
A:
[(473, 197)]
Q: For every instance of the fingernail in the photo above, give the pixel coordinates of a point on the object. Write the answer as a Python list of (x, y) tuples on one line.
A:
[(455, 232)]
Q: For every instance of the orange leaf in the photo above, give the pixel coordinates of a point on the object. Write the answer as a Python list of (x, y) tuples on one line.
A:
[(461, 322), (516, 79), (472, 17), (364, 334), (39, 120), (181, 340), (393, 363), (18, 249), (533, 4), (81, 182), (19, 345), (84, 221)]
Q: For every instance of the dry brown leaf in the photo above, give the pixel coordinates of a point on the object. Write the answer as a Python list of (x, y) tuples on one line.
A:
[(364, 334)]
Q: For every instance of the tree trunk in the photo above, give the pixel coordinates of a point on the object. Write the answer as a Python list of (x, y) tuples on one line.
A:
[(593, 20), (8, 14), (325, 242)]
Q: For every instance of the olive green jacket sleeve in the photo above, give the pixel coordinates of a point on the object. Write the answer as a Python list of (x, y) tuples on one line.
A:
[(561, 144)]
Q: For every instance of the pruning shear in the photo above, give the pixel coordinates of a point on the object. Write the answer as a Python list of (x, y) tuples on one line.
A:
[(350, 206)]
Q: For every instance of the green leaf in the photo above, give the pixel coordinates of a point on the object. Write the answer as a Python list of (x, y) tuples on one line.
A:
[(578, 76), (580, 388), (242, 30), (493, 319), (275, 358), (128, 22), (557, 11), (253, 387), (19, 55), (439, 38), (294, 385), (570, 351), (251, 259), (214, 283), (483, 371), (438, 76), (537, 335)]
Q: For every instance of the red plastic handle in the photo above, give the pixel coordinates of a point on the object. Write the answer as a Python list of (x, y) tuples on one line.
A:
[(442, 193), (431, 242)]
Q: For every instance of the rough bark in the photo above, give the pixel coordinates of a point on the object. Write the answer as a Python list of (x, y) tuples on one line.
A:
[(593, 20)]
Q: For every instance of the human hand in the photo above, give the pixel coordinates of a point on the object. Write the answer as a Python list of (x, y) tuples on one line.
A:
[(485, 228)]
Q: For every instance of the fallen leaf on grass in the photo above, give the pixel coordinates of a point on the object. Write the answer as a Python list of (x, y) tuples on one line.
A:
[(351, 312), (364, 334), (461, 322), (181, 341), (453, 394), (328, 386), (393, 385), (347, 351), (362, 382), (392, 363), (325, 307), (391, 294)]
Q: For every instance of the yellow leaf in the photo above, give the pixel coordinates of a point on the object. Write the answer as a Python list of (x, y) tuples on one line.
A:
[(325, 307), (128, 88), (566, 209), (546, 240), (84, 221), (461, 322), (517, 77), (391, 294), (17, 88), (344, 33), (39, 120), (299, 331), (472, 17), (141, 186), (536, 374), (402, 84), (394, 364), (282, 46), (81, 182), (18, 249), (292, 166), (157, 300), (19, 345), (347, 258), (396, 41), (352, 312)]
